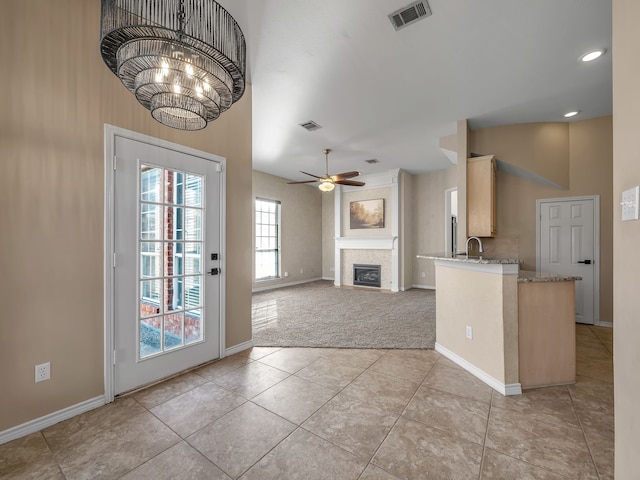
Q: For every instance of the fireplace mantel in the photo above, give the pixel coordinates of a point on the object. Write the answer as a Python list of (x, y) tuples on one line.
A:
[(390, 243), (365, 243)]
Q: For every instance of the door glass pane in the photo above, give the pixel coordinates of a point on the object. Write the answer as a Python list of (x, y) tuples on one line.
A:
[(174, 223), (174, 187), (192, 326), (150, 297), (150, 336), (174, 259), (150, 222), (150, 182), (170, 275), (193, 194), (173, 294), (192, 258), (192, 292), (192, 224), (173, 330), (150, 257)]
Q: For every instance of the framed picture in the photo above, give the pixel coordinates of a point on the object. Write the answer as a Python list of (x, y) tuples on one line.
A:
[(366, 214)]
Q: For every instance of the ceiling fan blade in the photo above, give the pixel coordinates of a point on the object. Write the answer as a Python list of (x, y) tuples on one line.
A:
[(353, 183), (303, 181), (310, 174), (341, 176)]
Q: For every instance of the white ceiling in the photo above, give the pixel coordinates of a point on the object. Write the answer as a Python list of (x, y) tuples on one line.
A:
[(390, 95)]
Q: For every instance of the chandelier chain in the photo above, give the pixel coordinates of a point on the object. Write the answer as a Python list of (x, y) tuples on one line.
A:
[(181, 18)]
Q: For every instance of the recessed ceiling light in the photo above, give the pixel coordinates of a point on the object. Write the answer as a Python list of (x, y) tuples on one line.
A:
[(571, 114), (590, 56)]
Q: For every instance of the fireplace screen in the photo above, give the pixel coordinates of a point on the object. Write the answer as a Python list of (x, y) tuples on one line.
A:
[(366, 275)]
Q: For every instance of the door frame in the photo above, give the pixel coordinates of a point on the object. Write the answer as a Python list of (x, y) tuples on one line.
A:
[(596, 244), (110, 134), (448, 237)]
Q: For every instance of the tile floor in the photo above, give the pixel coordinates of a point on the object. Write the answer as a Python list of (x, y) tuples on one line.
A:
[(294, 413)]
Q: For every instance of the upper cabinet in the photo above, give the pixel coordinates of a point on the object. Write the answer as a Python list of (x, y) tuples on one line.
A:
[(481, 196)]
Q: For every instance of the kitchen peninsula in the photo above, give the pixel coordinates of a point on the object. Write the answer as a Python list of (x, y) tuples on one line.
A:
[(511, 329)]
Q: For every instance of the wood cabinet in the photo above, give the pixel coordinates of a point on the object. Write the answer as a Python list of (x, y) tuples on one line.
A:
[(546, 333), (481, 196)]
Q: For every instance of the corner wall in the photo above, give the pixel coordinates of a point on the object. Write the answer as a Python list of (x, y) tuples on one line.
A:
[(59, 95), (626, 236), (328, 236), (428, 221), (301, 234), (589, 160)]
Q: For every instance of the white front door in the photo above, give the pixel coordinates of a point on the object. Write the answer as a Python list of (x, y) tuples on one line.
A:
[(567, 246), (167, 244)]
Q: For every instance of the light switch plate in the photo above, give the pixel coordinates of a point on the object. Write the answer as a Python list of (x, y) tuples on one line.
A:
[(630, 203)]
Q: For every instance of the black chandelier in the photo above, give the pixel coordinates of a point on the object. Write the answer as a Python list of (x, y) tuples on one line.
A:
[(184, 60)]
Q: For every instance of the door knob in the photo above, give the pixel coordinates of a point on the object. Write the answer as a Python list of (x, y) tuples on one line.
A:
[(214, 271), (586, 262)]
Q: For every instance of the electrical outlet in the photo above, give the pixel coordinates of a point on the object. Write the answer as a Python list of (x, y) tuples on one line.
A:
[(302, 270), (423, 275), (469, 332), (43, 372), (331, 269), (286, 274)]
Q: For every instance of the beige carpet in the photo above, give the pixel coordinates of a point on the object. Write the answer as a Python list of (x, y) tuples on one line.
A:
[(317, 314)]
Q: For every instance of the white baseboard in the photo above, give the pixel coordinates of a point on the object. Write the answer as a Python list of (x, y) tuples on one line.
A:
[(425, 287), (280, 285), (508, 389), (329, 278), (604, 324), (51, 419), (238, 348)]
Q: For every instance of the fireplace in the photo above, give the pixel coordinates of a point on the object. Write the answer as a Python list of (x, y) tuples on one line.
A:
[(366, 275)]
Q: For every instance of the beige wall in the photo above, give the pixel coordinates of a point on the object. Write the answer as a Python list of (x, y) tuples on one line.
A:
[(407, 253), (488, 303), (626, 235), (589, 160), (57, 98), (301, 234), (463, 153), (328, 234), (541, 148), (428, 220)]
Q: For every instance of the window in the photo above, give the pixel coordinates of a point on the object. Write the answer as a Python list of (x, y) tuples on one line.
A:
[(171, 259), (267, 239)]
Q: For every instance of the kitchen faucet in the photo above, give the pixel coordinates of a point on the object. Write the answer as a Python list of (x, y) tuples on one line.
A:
[(480, 249)]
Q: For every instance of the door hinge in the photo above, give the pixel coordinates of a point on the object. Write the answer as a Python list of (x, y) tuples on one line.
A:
[(218, 167), (115, 161), (114, 357), (114, 260)]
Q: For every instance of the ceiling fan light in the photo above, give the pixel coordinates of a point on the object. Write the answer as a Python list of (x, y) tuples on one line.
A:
[(326, 186)]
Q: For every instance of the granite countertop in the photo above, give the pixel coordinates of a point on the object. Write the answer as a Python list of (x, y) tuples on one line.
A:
[(461, 257), (530, 276)]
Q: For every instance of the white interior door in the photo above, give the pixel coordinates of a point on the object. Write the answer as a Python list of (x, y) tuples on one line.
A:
[(167, 250), (567, 246)]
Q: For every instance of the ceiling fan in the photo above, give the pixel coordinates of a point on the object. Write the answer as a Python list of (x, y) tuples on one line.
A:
[(328, 182)]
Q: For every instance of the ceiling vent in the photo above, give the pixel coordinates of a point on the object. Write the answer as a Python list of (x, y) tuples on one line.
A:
[(310, 125), (410, 14), (372, 161)]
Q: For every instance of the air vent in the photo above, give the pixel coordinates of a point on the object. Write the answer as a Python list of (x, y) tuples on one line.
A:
[(410, 14), (372, 161), (310, 125)]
